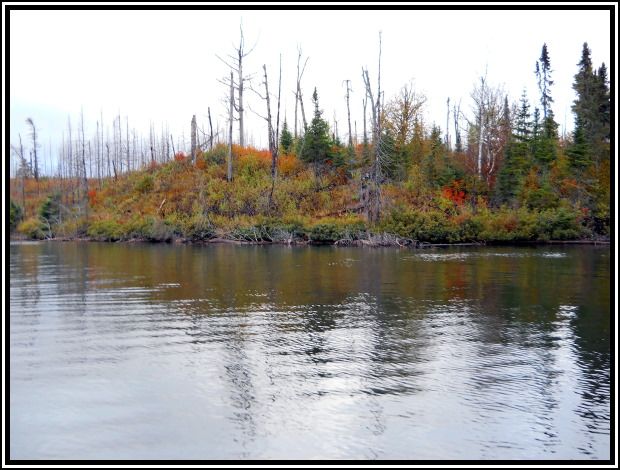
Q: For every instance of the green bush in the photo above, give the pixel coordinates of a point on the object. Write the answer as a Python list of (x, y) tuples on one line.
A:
[(431, 226), (559, 224), (332, 230), (217, 155), (161, 231), (72, 227), (198, 227), (33, 228), (105, 230), (145, 184), (531, 225), (138, 227), (15, 215)]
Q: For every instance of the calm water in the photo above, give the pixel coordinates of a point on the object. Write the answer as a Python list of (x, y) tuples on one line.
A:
[(144, 351)]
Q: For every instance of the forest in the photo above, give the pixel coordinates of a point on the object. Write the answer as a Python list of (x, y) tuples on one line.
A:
[(501, 173)]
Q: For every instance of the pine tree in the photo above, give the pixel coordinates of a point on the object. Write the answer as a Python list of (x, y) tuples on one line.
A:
[(579, 153), (317, 142), (546, 140), (431, 162), (286, 139), (438, 170), (604, 103), (592, 112), (517, 155), (543, 74), (523, 125)]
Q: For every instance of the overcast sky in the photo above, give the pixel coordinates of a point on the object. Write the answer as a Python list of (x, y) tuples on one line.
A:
[(161, 66)]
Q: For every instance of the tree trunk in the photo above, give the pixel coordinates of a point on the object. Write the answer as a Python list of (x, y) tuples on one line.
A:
[(230, 130), (349, 114), (193, 139), (210, 130)]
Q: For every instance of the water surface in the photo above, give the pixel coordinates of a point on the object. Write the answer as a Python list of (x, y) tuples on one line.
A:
[(138, 351)]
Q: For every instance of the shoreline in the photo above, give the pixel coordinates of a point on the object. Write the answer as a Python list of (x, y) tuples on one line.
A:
[(360, 243)]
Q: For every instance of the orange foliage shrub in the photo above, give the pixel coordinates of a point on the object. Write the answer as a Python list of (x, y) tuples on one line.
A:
[(201, 163), (288, 165), (92, 197), (240, 152), (454, 193), (179, 156)]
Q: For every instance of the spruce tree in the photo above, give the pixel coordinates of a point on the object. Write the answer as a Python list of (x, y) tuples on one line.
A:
[(286, 139), (543, 74), (592, 112), (517, 156), (523, 124), (579, 153), (604, 103), (546, 141), (316, 146)]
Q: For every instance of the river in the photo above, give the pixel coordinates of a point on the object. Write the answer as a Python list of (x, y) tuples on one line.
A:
[(155, 351)]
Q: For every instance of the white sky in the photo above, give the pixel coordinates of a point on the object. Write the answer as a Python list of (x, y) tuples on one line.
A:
[(161, 66)]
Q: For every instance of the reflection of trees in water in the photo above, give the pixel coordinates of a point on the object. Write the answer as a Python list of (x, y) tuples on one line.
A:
[(591, 344), (242, 390), (547, 312), (24, 264), (371, 308)]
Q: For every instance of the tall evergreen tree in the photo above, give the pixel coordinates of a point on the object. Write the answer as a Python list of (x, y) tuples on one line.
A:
[(545, 141), (517, 155), (437, 168), (317, 141), (604, 103), (523, 124), (579, 153), (543, 75), (286, 139), (592, 112)]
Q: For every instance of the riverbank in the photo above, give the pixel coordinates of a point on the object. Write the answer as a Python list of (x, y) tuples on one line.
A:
[(195, 203), (383, 240)]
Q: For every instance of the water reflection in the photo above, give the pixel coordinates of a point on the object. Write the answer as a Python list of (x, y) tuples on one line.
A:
[(286, 352)]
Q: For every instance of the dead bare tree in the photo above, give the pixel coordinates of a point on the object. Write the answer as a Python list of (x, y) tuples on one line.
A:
[(229, 174), (456, 114), (33, 134), (210, 130), (488, 111), (298, 96), (84, 179), (127, 142), (348, 83), (448, 124), (272, 131), (235, 63), (193, 139), (380, 156)]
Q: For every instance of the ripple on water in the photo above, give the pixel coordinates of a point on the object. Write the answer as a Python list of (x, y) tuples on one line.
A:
[(378, 362)]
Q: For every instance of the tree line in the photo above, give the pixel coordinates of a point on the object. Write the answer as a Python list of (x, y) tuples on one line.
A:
[(503, 153)]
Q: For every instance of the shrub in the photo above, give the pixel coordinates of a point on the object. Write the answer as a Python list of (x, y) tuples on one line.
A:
[(332, 230), (198, 227), (15, 215), (275, 230), (145, 184), (72, 227), (137, 227), (49, 211), (33, 228), (560, 224), (217, 155), (105, 230), (161, 231)]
